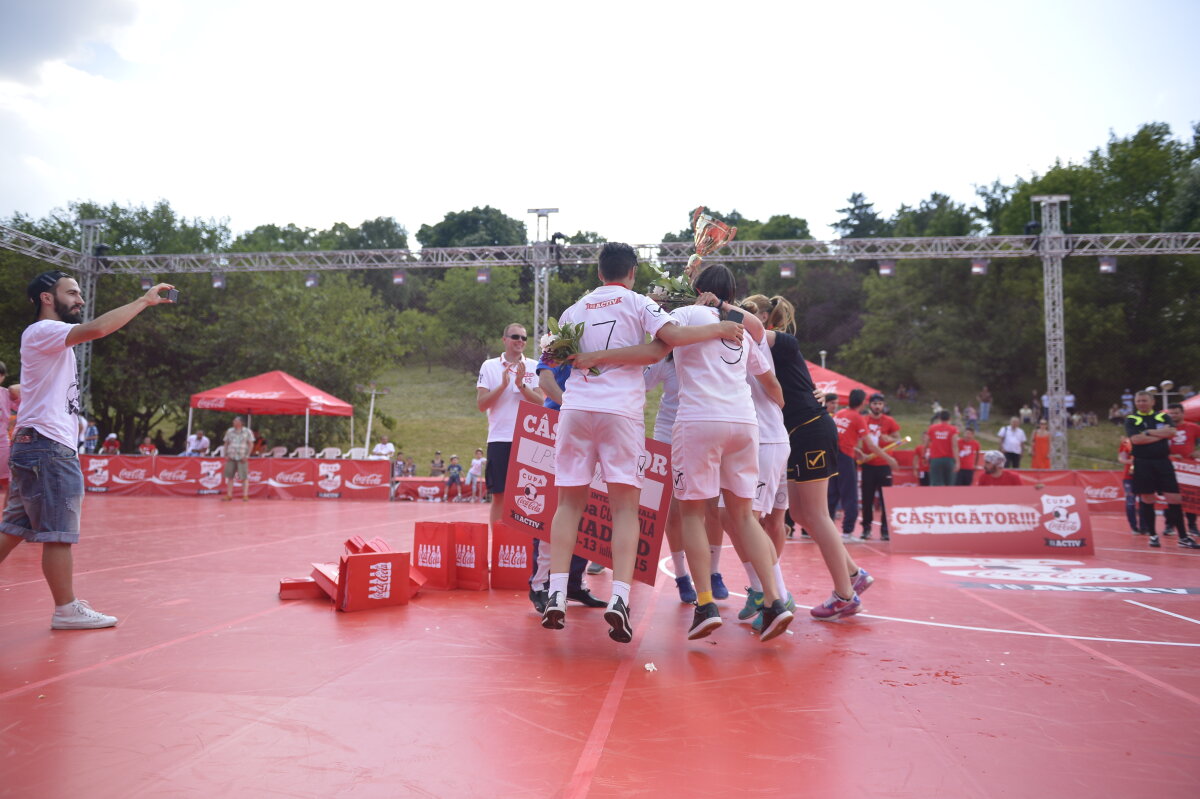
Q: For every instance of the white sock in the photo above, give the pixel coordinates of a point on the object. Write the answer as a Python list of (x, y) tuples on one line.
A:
[(622, 590), (714, 554), (779, 586), (679, 560), (752, 576), (558, 582)]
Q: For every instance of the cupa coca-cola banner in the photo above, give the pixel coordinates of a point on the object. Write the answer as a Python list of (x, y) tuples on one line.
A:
[(998, 520), (530, 497), (275, 478)]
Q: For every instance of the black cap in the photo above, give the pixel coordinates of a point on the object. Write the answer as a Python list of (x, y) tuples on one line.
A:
[(876, 396), (44, 282)]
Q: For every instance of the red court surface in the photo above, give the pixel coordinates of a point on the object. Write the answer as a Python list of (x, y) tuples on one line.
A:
[(961, 679)]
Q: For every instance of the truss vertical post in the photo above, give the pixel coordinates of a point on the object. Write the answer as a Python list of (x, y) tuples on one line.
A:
[(539, 259), (1053, 248), (86, 270)]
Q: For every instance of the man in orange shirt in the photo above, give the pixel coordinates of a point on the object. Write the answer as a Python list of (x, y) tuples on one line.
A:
[(942, 438)]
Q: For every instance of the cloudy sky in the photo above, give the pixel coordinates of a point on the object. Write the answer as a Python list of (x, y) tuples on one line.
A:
[(622, 114)]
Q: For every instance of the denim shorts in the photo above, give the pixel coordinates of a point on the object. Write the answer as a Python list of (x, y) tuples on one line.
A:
[(46, 492)]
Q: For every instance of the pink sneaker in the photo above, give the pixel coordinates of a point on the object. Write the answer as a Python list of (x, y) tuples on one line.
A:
[(835, 608)]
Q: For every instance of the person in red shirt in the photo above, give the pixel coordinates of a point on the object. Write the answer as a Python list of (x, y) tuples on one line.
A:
[(1125, 456), (1183, 445), (843, 487), (876, 469), (968, 458), (942, 438), (994, 473), (147, 447)]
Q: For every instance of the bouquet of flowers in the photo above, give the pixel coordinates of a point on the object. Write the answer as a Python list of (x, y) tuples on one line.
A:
[(671, 292), (561, 343)]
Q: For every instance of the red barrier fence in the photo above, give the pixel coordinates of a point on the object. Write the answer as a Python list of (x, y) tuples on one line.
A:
[(274, 478)]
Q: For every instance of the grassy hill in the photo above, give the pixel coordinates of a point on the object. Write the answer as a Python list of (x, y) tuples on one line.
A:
[(434, 409)]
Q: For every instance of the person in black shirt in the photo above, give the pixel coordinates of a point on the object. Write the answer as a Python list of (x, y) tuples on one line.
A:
[(1153, 473)]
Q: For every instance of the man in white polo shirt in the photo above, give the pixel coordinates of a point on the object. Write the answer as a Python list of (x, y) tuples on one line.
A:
[(503, 382), (47, 483)]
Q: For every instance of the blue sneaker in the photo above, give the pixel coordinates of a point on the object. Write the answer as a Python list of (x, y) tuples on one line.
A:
[(719, 591), (753, 607), (687, 592), (862, 581)]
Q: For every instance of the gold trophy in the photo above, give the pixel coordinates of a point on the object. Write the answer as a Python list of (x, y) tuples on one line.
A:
[(709, 236)]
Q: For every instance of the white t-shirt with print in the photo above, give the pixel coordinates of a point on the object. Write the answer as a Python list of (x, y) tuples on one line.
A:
[(712, 374), (771, 429), (49, 384), (614, 317), (502, 415)]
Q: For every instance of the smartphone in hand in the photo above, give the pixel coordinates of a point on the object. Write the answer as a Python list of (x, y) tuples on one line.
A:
[(734, 315), (172, 295)]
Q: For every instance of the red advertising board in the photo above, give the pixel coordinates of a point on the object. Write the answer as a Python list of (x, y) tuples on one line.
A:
[(530, 498), (353, 479), (992, 520), (1103, 490), (428, 488), (1187, 473), (116, 474), (285, 478)]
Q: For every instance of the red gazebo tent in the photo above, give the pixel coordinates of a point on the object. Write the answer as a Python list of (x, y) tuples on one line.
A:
[(271, 393), (1191, 409), (830, 382)]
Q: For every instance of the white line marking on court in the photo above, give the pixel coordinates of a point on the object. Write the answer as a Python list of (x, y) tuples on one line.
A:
[(1160, 610), (665, 562)]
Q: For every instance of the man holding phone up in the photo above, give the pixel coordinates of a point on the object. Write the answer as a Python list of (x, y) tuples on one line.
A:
[(47, 483)]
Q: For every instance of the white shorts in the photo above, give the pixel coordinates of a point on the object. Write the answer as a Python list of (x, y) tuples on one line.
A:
[(772, 477), (585, 438), (710, 457)]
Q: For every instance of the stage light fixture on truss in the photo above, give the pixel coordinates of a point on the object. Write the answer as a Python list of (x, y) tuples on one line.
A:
[(146, 283), (887, 267), (787, 269), (218, 280), (483, 274), (312, 280), (979, 266), (1108, 264), (398, 277)]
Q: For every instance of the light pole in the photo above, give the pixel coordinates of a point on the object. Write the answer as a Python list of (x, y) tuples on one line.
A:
[(370, 388), (540, 262), (822, 353)]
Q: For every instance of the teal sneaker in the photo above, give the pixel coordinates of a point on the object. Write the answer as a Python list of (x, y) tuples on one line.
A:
[(753, 607)]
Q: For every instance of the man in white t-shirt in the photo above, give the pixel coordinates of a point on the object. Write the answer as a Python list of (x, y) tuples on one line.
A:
[(503, 382), (384, 450), (1012, 443), (602, 422), (197, 444), (47, 483)]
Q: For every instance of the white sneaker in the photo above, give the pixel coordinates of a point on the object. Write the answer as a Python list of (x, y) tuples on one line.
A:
[(80, 616)]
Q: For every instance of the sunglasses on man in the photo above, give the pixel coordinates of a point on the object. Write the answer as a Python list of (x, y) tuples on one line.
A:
[(516, 337)]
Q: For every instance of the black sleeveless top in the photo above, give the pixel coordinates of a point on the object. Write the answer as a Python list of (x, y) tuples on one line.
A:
[(799, 405)]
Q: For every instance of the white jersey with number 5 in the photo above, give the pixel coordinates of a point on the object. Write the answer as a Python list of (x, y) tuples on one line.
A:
[(613, 317), (712, 374)]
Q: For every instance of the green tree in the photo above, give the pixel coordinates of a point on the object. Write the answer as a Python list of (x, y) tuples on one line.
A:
[(479, 227), (860, 221)]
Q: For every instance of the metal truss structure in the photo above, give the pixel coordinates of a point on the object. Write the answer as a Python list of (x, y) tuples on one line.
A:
[(542, 257)]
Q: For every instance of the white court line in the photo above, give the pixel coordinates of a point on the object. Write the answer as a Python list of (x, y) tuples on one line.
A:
[(1160, 610), (662, 566)]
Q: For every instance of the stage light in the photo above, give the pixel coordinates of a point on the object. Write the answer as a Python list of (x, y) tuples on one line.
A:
[(483, 274), (146, 283), (887, 267), (311, 280), (787, 269), (218, 280), (398, 277), (979, 266), (1108, 264)]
